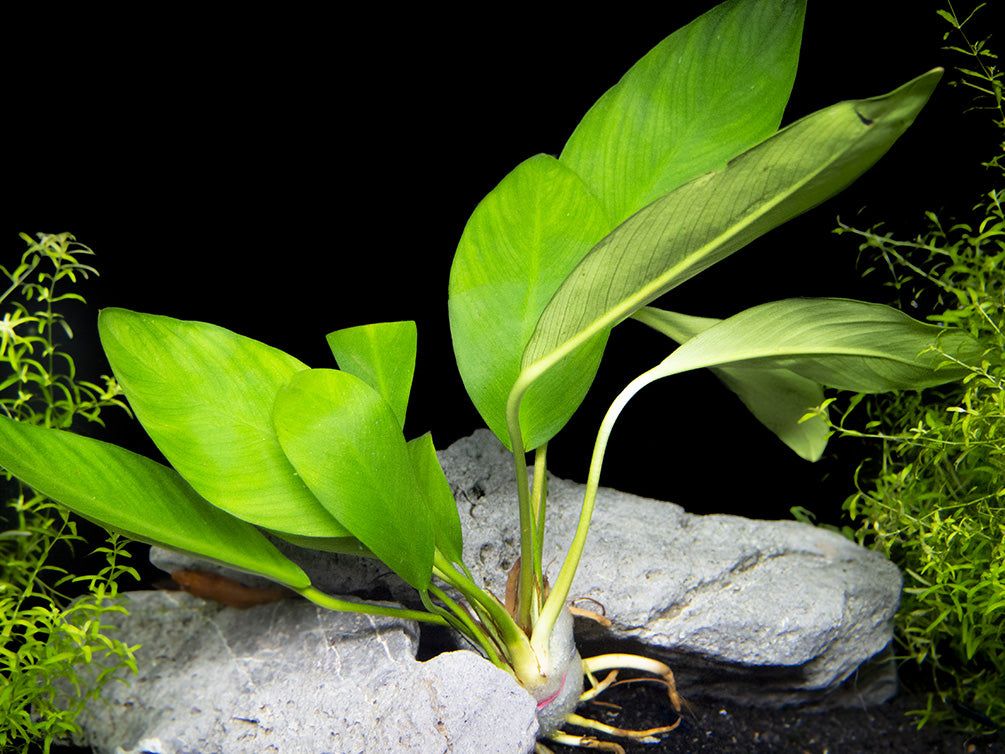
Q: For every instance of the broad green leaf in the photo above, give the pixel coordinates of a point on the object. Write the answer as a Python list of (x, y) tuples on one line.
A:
[(703, 95), (844, 344), (346, 444), (383, 356), (709, 218), (700, 97), (205, 395), (778, 398), (520, 243), (137, 497), (440, 500)]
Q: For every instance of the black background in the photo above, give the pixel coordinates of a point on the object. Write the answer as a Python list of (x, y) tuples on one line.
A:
[(288, 174)]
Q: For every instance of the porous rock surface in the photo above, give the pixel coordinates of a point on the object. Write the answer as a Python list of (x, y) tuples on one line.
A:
[(768, 613), (292, 677)]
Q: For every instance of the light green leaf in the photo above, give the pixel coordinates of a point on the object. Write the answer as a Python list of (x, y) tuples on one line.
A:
[(205, 395), (383, 356), (137, 497), (844, 344), (778, 398), (439, 498), (346, 444), (706, 220), (520, 243), (700, 97), (703, 95)]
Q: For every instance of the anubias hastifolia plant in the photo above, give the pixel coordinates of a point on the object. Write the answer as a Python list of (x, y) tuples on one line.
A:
[(48, 642), (934, 497), (659, 181)]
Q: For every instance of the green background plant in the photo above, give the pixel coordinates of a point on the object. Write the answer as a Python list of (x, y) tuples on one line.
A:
[(933, 499), (49, 643)]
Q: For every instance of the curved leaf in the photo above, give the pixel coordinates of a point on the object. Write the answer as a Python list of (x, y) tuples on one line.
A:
[(706, 220), (137, 497), (204, 395), (347, 446), (520, 243), (440, 500), (778, 398), (844, 344), (698, 98), (383, 356), (703, 95)]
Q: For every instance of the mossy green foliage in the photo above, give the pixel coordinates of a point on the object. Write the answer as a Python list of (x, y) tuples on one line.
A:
[(934, 498), (55, 654)]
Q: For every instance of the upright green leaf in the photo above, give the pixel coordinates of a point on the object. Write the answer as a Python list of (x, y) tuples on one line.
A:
[(522, 241), (346, 444), (778, 398), (383, 356), (205, 395), (440, 500), (137, 497), (703, 95), (844, 344), (700, 97), (709, 218)]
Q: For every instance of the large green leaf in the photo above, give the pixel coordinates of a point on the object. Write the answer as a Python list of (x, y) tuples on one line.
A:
[(383, 356), (347, 446), (844, 344), (700, 97), (709, 218), (703, 95), (778, 398), (522, 241), (135, 496), (204, 395)]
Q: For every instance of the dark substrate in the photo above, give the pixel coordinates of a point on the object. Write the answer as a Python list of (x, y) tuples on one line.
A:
[(728, 728)]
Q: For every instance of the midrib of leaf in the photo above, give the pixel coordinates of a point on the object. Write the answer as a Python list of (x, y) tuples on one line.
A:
[(741, 358)]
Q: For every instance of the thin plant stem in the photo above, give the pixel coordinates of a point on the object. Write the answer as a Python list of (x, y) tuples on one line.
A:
[(486, 629), (471, 630), (513, 640), (539, 502), (560, 589), (345, 606), (16, 282), (526, 597)]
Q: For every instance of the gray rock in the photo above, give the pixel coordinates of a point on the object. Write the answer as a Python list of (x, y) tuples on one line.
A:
[(290, 677), (762, 612), (769, 613)]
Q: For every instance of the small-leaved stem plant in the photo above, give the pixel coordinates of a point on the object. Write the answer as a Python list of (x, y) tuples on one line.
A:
[(48, 643), (658, 182), (934, 498)]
